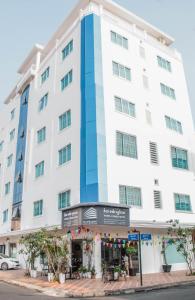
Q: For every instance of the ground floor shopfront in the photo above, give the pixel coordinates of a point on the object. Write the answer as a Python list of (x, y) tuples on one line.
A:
[(99, 236), (94, 247)]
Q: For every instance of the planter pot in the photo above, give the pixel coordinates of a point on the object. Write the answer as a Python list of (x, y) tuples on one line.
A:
[(132, 272), (84, 275), (33, 273), (81, 275), (166, 268), (50, 277), (116, 275), (61, 278), (89, 275)]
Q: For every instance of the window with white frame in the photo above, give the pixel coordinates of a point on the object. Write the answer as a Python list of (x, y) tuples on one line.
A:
[(163, 63), (121, 71), (182, 203), (124, 106), (67, 50), (119, 39), (173, 124), (64, 199), (167, 91), (130, 195), (66, 80), (126, 145)]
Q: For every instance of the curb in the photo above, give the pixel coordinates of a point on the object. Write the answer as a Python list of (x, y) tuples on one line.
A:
[(148, 288), (61, 293)]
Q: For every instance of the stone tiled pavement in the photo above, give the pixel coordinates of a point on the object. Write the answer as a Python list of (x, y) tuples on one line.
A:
[(90, 287)]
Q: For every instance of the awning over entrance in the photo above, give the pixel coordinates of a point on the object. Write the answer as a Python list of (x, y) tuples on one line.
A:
[(96, 214)]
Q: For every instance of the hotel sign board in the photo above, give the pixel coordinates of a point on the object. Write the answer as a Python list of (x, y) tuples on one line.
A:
[(96, 215)]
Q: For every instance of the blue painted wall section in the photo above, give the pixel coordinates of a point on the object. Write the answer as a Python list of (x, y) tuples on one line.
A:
[(93, 173), (20, 151)]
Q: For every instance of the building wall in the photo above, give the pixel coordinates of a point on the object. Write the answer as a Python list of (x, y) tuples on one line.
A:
[(57, 178), (140, 172), (120, 170)]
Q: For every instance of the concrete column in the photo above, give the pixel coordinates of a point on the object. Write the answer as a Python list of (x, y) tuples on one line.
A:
[(7, 247), (97, 258)]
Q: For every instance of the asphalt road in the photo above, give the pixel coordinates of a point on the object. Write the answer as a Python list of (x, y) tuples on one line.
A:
[(10, 292)]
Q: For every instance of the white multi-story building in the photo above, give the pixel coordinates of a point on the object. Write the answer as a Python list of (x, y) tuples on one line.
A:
[(99, 121)]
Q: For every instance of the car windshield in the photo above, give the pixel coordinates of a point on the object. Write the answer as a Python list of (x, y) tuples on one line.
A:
[(3, 255)]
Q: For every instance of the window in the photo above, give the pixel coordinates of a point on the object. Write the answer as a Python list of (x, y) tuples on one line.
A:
[(119, 40), (182, 202), (121, 71), (38, 208), (129, 195), (64, 200), (24, 99), (167, 91), (179, 158), (65, 120), (173, 124), (39, 169), (153, 153), (5, 216), (7, 188), (66, 80), (67, 50), (126, 145), (124, 106), (45, 75), (64, 154), (1, 146), (9, 160), (157, 199), (43, 102), (19, 177), (11, 135), (142, 52), (163, 63), (12, 114), (41, 135)]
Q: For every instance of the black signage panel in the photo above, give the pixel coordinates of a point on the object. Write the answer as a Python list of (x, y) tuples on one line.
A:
[(96, 215)]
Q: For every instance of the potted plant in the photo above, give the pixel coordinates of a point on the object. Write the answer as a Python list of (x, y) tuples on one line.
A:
[(31, 244), (130, 251), (85, 271), (55, 247), (166, 267), (117, 271), (93, 273), (89, 275)]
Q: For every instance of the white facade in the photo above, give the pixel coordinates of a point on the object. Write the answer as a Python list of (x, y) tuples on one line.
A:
[(148, 125)]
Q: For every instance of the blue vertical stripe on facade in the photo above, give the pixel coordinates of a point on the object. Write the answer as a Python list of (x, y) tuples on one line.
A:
[(21, 146), (93, 173)]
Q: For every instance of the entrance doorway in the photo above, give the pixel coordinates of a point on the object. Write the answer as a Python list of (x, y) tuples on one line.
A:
[(114, 255), (77, 254)]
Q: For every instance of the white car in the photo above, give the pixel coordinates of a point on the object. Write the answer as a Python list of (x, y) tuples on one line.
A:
[(7, 262)]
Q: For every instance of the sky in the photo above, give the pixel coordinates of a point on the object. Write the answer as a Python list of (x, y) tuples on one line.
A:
[(26, 22)]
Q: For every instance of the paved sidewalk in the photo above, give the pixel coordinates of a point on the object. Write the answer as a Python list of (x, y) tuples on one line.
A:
[(95, 287)]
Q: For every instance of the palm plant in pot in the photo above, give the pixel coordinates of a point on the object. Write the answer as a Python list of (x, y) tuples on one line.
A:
[(56, 249), (31, 248), (165, 243), (130, 251)]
